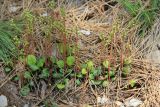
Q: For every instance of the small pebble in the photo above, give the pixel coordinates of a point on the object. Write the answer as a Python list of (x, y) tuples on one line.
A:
[(3, 101), (85, 32), (134, 102)]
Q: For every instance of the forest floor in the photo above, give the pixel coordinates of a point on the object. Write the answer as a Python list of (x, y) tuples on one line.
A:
[(107, 32)]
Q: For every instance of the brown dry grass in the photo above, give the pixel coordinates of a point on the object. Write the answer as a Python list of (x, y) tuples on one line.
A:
[(119, 41)]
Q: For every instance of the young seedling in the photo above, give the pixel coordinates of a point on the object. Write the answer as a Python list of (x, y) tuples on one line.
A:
[(60, 86), (41, 62), (7, 69), (57, 75), (127, 61), (63, 84), (25, 90), (84, 71), (96, 82), (106, 63), (60, 64), (105, 83), (70, 60), (111, 73), (31, 61), (78, 82), (45, 73), (127, 66), (126, 70), (15, 78), (132, 83), (90, 65), (27, 75), (53, 59)]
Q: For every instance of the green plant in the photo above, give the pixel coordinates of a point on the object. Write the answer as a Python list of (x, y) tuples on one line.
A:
[(90, 65), (84, 71), (70, 60), (106, 63), (127, 66), (7, 69), (33, 63), (60, 86), (8, 49), (24, 90), (53, 59), (63, 84), (132, 83), (27, 75), (51, 4), (78, 82), (126, 70), (96, 82), (79, 75), (105, 83), (45, 73), (94, 75), (111, 74), (57, 75), (60, 64), (28, 18), (145, 14), (41, 62), (127, 61), (31, 60)]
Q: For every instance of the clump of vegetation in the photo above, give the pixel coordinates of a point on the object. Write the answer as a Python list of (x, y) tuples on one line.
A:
[(61, 67), (9, 31), (49, 51), (143, 11)]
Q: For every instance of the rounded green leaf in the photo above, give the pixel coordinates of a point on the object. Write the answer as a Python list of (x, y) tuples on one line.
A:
[(90, 65), (84, 71), (78, 82), (96, 82), (16, 78), (132, 83), (41, 62), (57, 75), (72, 75), (53, 59), (83, 65), (112, 73), (70, 60), (34, 67), (61, 71), (106, 63), (7, 69), (96, 72), (60, 64), (45, 73), (31, 83), (79, 75), (60, 86), (105, 83), (91, 76), (69, 70), (66, 81), (31, 60), (25, 90), (27, 75)]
